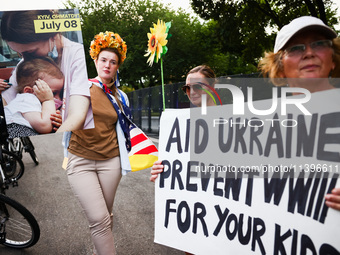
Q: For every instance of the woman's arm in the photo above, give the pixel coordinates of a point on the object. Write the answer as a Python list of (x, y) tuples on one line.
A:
[(40, 121), (78, 108), (77, 94)]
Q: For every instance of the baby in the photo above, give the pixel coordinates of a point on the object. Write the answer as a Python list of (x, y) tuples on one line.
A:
[(40, 84)]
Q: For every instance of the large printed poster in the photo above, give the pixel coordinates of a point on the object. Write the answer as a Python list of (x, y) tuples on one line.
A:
[(44, 72), (248, 184)]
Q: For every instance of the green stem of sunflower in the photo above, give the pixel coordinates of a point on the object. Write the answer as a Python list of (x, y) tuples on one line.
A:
[(162, 84)]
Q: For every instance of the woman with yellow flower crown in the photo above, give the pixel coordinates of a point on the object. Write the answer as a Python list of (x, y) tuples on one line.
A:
[(98, 157)]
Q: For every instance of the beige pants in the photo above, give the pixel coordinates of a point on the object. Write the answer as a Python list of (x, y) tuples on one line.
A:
[(94, 183)]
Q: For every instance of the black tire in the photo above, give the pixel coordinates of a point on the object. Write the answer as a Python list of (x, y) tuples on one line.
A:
[(34, 157), (12, 165), (21, 228), (29, 147)]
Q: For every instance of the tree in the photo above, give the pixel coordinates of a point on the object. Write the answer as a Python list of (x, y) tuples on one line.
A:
[(244, 26)]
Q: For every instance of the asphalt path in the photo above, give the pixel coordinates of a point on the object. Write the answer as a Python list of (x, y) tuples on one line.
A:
[(45, 192)]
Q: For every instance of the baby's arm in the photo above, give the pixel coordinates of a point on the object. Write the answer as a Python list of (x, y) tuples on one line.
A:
[(40, 121)]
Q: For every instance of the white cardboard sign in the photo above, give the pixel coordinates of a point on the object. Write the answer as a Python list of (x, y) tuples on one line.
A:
[(246, 214)]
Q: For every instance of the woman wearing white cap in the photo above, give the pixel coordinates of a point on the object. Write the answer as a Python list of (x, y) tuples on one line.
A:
[(305, 48)]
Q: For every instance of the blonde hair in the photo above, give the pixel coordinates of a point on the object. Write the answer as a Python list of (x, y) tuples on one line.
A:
[(336, 58), (271, 65)]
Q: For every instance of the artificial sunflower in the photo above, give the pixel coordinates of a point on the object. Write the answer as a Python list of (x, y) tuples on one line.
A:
[(157, 42), (157, 46), (152, 45)]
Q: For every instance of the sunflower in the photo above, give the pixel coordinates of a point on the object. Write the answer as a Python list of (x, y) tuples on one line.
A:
[(157, 40)]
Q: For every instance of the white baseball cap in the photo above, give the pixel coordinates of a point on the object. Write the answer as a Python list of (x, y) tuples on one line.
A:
[(296, 25)]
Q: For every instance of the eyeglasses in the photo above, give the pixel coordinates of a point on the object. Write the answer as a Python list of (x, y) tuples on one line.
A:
[(317, 46), (197, 87)]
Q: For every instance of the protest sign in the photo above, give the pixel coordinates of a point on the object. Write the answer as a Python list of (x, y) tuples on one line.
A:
[(43, 48), (244, 184)]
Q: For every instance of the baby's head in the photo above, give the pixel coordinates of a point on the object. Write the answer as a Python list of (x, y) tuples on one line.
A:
[(45, 69)]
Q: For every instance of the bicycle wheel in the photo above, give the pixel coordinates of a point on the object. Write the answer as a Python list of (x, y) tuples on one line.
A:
[(18, 227), (29, 147), (12, 165)]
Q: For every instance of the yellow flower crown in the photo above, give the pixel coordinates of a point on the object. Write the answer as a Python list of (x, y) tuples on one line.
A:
[(108, 40)]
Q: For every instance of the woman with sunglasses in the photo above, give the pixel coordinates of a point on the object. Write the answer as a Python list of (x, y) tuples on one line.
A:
[(200, 80), (309, 50)]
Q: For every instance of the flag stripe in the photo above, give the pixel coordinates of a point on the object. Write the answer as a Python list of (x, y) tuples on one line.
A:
[(139, 162), (140, 146), (138, 139), (147, 150)]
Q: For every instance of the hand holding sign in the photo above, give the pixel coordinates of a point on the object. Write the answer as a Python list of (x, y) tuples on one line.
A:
[(333, 199), (156, 169)]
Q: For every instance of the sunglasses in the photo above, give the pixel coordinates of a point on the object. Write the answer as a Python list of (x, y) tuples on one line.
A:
[(197, 87), (299, 49)]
